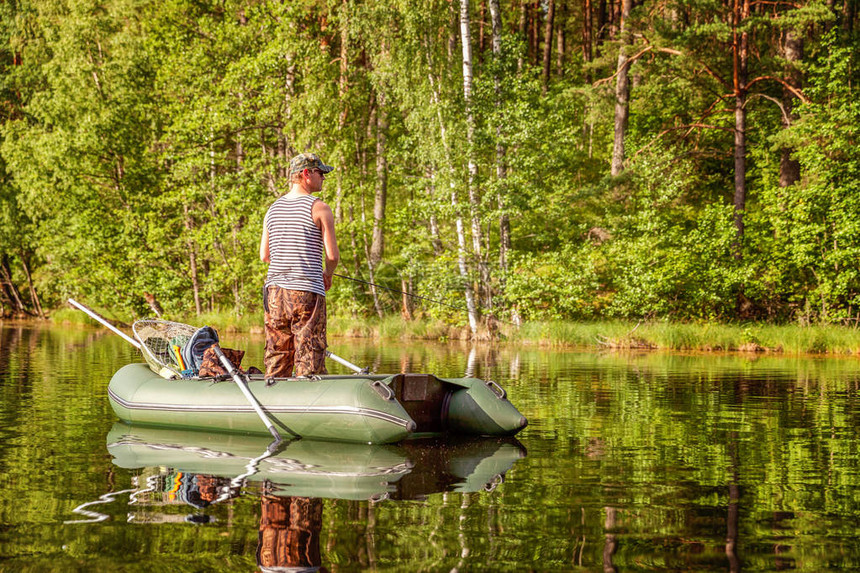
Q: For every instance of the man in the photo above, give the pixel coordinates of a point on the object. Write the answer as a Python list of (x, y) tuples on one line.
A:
[(297, 230)]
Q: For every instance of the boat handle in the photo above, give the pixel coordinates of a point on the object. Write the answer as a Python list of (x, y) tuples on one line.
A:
[(383, 390), (494, 483), (497, 390)]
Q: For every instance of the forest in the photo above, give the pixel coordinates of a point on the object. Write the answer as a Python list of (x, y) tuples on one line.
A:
[(689, 160)]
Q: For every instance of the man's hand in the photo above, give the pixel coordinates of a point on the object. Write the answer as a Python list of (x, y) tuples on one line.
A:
[(327, 281)]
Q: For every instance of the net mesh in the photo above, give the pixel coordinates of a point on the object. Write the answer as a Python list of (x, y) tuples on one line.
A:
[(161, 343)]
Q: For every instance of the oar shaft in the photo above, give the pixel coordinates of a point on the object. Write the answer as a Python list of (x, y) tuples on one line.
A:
[(247, 392), (96, 316), (346, 363)]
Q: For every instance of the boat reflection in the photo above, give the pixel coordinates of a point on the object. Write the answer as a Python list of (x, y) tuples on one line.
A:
[(198, 469), (305, 468)]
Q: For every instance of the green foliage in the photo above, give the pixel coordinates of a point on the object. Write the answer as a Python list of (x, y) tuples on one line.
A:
[(142, 143), (555, 285), (821, 223)]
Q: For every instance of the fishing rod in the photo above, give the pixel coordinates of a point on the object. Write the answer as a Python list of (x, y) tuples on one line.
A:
[(393, 290)]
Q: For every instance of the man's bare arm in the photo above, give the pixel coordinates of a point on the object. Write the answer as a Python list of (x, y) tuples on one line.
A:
[(324, 219), (264, 246)]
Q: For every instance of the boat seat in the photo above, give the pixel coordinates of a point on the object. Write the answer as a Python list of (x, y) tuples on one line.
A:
[(425, 398)]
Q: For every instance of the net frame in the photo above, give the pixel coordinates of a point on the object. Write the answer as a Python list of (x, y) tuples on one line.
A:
[(157, 341)]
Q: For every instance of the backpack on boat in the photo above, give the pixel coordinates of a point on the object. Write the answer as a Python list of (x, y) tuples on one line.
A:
[(173, 349), (193, 350)]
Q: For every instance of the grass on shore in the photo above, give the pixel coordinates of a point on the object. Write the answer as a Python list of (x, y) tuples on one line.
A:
[(751, 337)]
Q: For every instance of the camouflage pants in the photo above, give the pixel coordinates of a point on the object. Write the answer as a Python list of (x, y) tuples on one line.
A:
[(295, 333)]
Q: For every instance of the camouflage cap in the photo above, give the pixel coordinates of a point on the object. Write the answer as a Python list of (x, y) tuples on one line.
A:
[(304, 161)]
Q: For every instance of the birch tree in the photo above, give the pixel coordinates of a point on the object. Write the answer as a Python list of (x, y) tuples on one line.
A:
[(466, 40)]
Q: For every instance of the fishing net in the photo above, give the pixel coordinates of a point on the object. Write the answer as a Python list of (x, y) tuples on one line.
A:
[(162, 342)]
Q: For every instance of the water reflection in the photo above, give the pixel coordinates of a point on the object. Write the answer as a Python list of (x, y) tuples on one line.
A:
[(636, 461), (325, 469), (200, 470), (290, 533)]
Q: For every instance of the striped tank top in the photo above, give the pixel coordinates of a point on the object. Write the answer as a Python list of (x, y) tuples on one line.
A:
[(295, 245)]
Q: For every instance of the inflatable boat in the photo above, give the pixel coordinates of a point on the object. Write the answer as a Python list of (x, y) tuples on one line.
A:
[(363, 408)]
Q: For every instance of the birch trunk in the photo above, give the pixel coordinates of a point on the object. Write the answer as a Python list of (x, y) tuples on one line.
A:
[(474, 195), (462, 267), (377, 304), (435, 233), (343, 87), (622, 93), (377, 247), (370, 266)]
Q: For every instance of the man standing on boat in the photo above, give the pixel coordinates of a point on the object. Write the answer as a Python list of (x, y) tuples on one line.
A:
[(297, 231)]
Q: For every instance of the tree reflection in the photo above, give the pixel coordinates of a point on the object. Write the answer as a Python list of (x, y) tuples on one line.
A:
[(610, 543)]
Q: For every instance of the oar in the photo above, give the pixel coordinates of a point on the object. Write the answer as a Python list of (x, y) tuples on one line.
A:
[(96, 316), (224, 360), (347, 363), (251, 468), (240, 382)]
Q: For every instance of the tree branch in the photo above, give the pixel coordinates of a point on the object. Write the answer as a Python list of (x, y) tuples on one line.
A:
[(630, 60), (797, 93), (794, 5)]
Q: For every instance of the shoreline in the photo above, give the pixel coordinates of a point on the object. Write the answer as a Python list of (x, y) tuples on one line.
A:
[(751, 338)]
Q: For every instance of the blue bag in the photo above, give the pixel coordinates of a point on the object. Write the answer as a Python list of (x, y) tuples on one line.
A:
[(192, 351)]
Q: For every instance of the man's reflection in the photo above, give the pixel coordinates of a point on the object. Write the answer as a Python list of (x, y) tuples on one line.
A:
[(198, 491), (290, 534)]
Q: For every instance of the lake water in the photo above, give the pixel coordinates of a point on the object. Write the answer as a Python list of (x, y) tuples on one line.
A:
[(630, 462)]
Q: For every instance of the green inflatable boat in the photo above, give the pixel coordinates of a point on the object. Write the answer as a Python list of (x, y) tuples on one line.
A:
[(364, 408)]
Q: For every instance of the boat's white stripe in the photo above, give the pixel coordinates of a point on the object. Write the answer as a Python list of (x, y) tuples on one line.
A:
[(352, 410)]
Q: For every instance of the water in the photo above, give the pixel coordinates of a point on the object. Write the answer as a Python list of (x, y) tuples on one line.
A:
[(632, 462)]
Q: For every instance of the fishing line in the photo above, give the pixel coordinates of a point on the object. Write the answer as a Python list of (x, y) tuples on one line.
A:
[(401, 292), (394, 290)]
